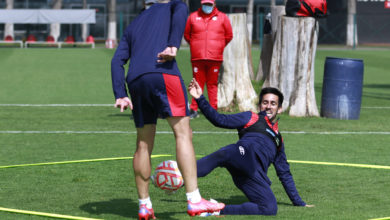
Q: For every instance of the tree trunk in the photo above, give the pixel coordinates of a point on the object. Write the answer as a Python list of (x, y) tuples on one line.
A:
[(9, 27), (55, 29), (249, 15), (352, 38), (292, 64), (268, 42), (84, 27), (111, 35), (235, 84), (265, 57)]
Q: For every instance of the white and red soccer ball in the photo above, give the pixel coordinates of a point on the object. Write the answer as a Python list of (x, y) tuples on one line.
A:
[(167, 176)]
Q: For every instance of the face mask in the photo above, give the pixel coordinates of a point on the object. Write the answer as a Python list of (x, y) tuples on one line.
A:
[(207, 9)]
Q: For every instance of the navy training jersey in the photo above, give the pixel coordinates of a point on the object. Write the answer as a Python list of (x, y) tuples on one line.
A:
[(265, 146), (153, 30)]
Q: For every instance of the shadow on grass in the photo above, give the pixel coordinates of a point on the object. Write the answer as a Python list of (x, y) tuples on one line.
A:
[(236, 200), (121, 115), (122, 207)]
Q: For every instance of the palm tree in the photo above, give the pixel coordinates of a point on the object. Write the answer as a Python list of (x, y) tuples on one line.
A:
[(9, 27), (111, 34), (55, 29)]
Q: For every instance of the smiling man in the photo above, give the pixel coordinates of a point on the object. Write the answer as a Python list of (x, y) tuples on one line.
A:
[(248, 160)]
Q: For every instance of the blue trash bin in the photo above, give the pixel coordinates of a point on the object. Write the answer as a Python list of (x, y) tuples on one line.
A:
[(342, 88)]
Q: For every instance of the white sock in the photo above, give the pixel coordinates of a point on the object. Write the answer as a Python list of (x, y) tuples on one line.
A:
[(146, 201), (194, 197)]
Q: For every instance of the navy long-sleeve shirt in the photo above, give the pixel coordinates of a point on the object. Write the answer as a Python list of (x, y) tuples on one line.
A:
[(160, 26), (265, 148)]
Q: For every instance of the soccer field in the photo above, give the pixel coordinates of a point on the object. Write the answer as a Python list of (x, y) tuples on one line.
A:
[(65, 152)]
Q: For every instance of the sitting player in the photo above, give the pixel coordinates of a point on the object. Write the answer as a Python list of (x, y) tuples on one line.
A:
[(260, 144)]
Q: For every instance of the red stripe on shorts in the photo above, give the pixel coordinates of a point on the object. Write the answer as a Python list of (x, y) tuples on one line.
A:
[(175, 95)]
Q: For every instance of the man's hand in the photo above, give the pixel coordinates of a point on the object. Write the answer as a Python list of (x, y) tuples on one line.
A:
[(194, 89), (123, 103), (167, 55)]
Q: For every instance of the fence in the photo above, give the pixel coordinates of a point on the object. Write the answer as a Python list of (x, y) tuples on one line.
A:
[(371, 28)]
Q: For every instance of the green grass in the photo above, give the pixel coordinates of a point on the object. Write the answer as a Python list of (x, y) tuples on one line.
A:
[(106, 189)]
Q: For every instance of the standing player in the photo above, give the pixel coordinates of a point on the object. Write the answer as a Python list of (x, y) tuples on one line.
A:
[(157, 90), (248, 160)]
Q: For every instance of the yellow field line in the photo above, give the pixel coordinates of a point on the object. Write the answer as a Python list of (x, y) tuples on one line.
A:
[(45, 214), (384, 218), (78, 161), (341, 164), (168, 155)]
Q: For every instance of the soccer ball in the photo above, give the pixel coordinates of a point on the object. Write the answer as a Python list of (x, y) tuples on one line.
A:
[(167, 176)]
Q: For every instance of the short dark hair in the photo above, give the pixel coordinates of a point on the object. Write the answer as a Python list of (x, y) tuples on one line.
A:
[(274, 91)]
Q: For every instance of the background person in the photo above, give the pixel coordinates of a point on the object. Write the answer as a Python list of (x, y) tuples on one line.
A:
[(248, 160), (207, 31), (157, 89)]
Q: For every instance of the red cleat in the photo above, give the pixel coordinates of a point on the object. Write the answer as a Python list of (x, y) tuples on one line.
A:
[(145, 214), (204, 206)]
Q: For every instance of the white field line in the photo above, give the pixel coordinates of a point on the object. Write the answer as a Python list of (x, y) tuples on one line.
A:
[(56, 105), (112, 105), (199, 132)]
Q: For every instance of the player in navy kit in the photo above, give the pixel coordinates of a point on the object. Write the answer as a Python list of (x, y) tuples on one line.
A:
[(151, 42), (248, 160)]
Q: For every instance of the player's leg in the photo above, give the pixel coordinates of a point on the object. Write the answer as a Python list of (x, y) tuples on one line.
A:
[(185, 154), (141, 161), (174, 106), (145, 118), (212, 74), (199, 73), (142, 169), (262, 201), (217, 159)]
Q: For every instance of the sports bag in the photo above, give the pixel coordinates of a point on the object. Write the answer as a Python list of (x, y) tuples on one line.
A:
[(306, 8)]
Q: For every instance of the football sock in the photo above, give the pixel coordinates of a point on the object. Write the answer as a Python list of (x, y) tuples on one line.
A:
[(146, 201), (194, 196)]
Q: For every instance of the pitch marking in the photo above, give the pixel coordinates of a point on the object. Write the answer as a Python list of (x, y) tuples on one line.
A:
[(341, 164), (45, 214), (78, 161), (168, 155), (196, 132), (112, 105), (384, 218)]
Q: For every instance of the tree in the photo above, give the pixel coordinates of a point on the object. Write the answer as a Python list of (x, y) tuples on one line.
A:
[(111, 35), (292, 64), (352, 38), (249, 16), (9, 28), (84, 27), (235, 86), (55, 29)]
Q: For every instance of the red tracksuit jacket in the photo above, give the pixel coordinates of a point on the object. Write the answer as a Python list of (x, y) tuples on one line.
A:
[(208, 34)]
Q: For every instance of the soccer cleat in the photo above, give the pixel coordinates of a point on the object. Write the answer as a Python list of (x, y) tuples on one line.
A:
[(145, 214), (194, 114), (204, 206)]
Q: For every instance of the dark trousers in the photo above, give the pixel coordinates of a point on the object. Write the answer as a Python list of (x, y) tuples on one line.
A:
[(241, 162)]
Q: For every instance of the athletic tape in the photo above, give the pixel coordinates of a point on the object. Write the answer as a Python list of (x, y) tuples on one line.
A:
[(45, 214), (341, 164), (78, 161)]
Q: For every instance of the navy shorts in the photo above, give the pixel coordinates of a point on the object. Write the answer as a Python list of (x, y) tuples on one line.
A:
[(157, 95)]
